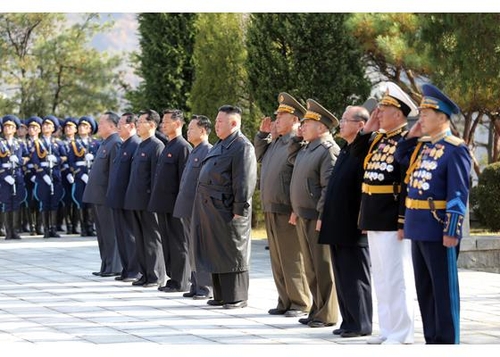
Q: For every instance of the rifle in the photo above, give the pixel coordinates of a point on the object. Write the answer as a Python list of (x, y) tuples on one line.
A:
[(51, 169)]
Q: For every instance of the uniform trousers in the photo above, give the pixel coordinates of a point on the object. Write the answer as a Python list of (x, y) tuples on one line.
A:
[(148, 245), (125, 241), (394, 284), (320, 278), (436, 281), (201, 280), (175, 251), (106, 239), (287, 263), (231, 287), (351, 267)]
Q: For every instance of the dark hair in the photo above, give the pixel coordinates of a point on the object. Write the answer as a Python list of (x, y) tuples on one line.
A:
[(230, 109), (112, 117), (130, 118), (203, 122), (151, 115), (175, 114)]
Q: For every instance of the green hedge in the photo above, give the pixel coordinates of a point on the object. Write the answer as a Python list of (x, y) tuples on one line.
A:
[(485, 197)]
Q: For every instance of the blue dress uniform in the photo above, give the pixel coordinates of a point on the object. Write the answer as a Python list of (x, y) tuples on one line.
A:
[(81, 156), (70, 212), (12, 189), (47, 156), (34, 214), (438, 189)]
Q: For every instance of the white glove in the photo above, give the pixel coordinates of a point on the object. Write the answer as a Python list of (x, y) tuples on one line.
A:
[(70, 178), (9, 179), (47, 179), (51, 158), (14, 159), (33, 178), (89, 157), (85, 178)]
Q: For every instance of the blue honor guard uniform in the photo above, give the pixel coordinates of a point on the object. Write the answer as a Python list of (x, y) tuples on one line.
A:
[(437, 191)]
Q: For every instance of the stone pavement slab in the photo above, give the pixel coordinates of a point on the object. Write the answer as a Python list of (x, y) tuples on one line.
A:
[(48, 295)]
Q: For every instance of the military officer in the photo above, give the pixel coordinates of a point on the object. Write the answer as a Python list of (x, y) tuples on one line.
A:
[(81, 158), (47, 156), (166, 184), (312, 169), (12, 190), (287, 262), (438, 189), (24, 217), (382, 215)]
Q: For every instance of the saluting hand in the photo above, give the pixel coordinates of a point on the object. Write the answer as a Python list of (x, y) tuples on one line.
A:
[(373, 124), (415, 131), (265, 125)]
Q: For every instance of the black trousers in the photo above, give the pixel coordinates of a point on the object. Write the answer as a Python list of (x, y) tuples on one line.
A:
[(106, 239), (125, 241), (351, 267), (231, 287)]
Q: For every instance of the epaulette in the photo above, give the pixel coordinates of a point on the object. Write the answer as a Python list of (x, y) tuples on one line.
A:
[(327, 144), (453, 140)]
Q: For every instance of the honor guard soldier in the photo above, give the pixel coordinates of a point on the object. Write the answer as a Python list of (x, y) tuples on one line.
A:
[(438, 189), (70, 211), (47, 156), (313, 166), (287, 262), (382, 215), (81, 156), (24, 218), (12, 189), (34, 215)]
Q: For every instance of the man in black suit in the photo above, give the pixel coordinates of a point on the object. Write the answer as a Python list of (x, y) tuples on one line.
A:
[(115, 198), (95, 193), (165, 189), (339, 229), (144, 222), (198, 131)]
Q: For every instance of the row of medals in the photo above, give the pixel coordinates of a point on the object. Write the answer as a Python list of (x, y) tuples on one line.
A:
[(428, 162), (381, 161)]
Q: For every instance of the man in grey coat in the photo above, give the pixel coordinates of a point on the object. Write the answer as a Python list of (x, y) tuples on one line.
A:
[(287, 263), (222, 210), (95, 193), (313, 167)]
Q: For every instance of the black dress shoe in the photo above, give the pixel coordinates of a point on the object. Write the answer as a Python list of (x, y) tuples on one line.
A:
[(348, 334), (96, 273), (189, 294), (235, 305), (276, 311), (149, 284), (201, 297), (169, 289), (119, 278), (305, 320), (295, 313), (338, 331), (107, 275), (213, 302), (129, 279), (318, 323), (139, 282)]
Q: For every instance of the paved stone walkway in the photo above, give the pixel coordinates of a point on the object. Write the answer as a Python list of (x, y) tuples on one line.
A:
[(48, 295)]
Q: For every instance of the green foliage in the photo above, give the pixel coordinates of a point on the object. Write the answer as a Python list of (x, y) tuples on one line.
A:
[(219, 56), (307, 55), (50, 69), (484, 197), (165, 61)]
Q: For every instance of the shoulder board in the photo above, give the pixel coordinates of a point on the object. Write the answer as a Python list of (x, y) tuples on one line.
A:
[(453, 140), (327, 144)]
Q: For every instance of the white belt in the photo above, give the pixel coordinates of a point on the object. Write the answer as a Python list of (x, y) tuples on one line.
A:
[(44, 164), (7, 165), (30, 166), (81, 163)]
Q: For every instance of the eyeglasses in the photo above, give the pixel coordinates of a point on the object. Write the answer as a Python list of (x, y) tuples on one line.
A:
[(343, 120)]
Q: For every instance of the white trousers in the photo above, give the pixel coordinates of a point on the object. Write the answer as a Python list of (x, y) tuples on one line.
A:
[(393, 279)]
